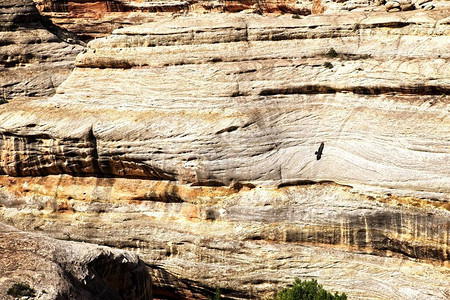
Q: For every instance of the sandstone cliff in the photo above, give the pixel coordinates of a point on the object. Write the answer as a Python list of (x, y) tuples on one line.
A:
[(212, 102), (35, 55), (68, 270), (94, 18), (192, 140), (248, 242)]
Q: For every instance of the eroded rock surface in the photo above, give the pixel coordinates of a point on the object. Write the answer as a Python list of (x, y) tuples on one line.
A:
[(35, 55), (195, 142), (92, 19), (247, 242), (212, 103), (69, 270), (333, 6)]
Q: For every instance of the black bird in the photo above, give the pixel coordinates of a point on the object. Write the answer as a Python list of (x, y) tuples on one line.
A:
[(319, 152)]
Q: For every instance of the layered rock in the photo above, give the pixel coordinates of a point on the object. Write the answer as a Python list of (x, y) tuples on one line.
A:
[(93, 19), (255, 103), (69, 270), (35, 55), (195, 142), (333, 6), (251, 242)]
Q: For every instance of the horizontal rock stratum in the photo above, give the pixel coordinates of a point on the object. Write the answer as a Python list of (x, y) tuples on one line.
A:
[(242, 151), (250, 242), (35, 55), (250, 99), (94, 18)]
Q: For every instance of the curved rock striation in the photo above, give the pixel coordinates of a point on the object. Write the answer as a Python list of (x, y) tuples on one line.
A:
[(35, 55), (242, 151), (69, 270), (250, 102)]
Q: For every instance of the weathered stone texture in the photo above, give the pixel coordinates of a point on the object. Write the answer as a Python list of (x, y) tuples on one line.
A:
[(92, 18), (69, 270), (248, 242), (252, 107), (35, 55), (192, 141), (95, 18)]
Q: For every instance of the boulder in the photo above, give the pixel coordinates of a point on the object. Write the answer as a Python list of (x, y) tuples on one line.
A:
[(69, 270)]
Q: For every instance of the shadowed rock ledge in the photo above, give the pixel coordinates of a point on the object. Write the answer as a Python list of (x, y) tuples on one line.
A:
[(69, 270)]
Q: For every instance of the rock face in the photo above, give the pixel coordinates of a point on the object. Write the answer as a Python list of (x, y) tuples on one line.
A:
[(256, 102), (69, 270), (333, 6), (35, 55), (243, 151), (92, 18), (248, 242)]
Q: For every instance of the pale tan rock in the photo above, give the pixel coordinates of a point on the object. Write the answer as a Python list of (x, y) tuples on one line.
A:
[(35, 56), (247, 242), (421, 2), (174, 109), (250, 108), (391, 5), (355, 4), (428, 6)]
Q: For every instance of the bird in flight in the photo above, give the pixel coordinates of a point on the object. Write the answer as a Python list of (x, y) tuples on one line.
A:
[(319, 152)]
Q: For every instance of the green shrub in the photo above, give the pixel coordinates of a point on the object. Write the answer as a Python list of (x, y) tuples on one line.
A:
[(331, 53), (216, 295), (328, 65), (307, 290), (20, 290)]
